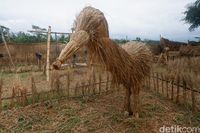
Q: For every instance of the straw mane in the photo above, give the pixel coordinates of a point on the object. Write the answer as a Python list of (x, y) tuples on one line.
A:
[(128, 64)]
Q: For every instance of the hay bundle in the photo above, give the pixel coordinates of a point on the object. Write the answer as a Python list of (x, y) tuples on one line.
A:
[(128, 65)]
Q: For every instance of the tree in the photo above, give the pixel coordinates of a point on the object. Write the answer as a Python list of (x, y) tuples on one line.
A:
[(63, 39), (192, 15), (138, 39)]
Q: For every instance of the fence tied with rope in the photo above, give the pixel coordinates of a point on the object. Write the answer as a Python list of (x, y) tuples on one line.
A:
[(177, 90), (60, 86)]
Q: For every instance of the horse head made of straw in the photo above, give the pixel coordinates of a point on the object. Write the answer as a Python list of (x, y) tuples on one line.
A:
[(128, 65)]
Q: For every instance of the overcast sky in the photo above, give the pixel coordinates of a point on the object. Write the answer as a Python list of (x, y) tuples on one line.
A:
[(133, 18)]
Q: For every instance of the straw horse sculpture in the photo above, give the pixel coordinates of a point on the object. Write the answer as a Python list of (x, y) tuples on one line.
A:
[(128, 66)]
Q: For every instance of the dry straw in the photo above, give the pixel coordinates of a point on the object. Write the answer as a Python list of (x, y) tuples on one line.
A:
[(128, 65)]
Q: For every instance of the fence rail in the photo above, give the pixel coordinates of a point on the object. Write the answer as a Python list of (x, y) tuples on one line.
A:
[(176, 90), (95, 85)]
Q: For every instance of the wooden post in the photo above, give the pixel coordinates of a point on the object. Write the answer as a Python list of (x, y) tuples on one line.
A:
[(48, 53), (178, 90), (193, 101), (94, 81), (184, 91), (33, 89), (68, 85), (172, 93), (107, 80), (162, 83), (1, 86), (157, 84), (149, 81), (7, 49), (89, 85), (23, 92), (99, 83), (44, 69), (76, 89), (167, 87), (154, 83), (83, 88)]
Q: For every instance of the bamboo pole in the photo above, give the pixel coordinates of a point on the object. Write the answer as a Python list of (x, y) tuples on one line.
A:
[(68, 85), (33, 89), (193, 101), (76, 89), (48, 53), (167, 88), (172, 91), (154, 83), (1, 86), (94, 81), (178, 90), (157, 83), (107, 79), (7, 49), (83, 88), (99, 83), (89, 85), (162, 83), (13, 97), (149, 81), (184, 91)]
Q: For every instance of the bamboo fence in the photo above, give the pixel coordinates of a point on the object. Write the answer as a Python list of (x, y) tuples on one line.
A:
[(59, 88), (177, 90)]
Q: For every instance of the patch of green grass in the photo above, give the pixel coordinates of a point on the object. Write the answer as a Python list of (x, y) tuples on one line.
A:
[(154, 108), (188, 118), (68, 125), (197, 117), (22, 124), (133, 125)]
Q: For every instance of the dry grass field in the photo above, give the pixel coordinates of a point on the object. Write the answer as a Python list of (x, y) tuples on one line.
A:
[(96, 114), (93, 113)]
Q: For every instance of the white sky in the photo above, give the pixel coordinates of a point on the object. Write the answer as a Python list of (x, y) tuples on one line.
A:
[(133, 18)]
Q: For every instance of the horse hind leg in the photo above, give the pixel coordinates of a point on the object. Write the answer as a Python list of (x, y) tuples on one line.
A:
[(127, 103)]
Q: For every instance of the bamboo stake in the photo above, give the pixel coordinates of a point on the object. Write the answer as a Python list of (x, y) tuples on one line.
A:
[(184, 90), (76, 89), (178, 90), (157, 84), (23, 96), (193, 101), (89, 85), (48, 53), (172, 93), (167, 88), (154, 83), (83, 88), (94, 81), (7, 49), (33, 89), (13, 97), (162, 83), (68, 85), (99, 83), (107, 79), (1, 86), (149, 81)]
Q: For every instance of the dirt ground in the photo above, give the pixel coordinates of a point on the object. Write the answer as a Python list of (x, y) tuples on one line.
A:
[(97, 114)]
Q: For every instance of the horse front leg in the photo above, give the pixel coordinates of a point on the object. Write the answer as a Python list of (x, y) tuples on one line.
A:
[(135, 101)]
